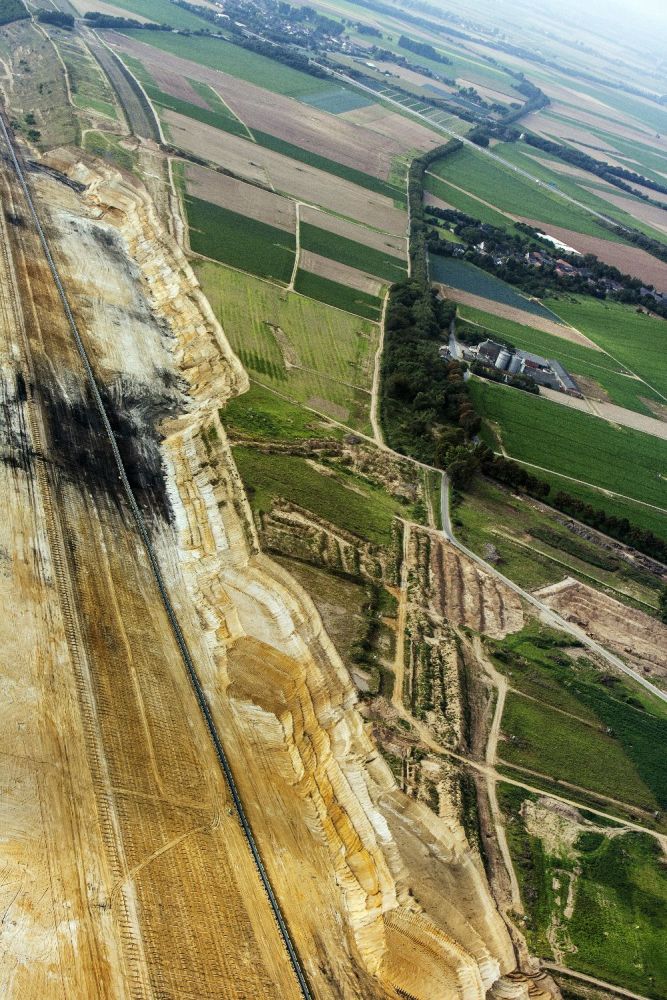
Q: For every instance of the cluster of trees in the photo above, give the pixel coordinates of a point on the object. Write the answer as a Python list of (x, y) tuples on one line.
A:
[(418, 221), (607, 171), (99, 20), (56, 17), (495, 375), (590, 278), (423, 49), (511, 474), (421, 393), (12, 10), (618, 527)]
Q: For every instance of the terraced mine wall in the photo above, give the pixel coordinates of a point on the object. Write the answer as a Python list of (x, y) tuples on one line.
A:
[(319, 797)]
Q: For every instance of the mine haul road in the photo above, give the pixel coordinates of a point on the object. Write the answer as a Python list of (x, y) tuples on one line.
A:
[(121, 765)]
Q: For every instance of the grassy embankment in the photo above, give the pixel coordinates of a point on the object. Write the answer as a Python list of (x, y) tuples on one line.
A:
[(536, 550), (570, 722)]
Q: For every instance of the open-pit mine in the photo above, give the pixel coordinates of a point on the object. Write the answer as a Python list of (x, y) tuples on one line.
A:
[(193, 805)]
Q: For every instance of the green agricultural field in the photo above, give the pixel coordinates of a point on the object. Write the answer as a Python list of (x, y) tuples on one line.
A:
[(465, 202), (164, 12), (244, 243), (303, 349), (338, 101), (537, 162), (219, 116), (383, 265), (510, 192), (574, 443), (615, 928), (623, 390), (636, 340), (562, 747), (261, 415), (346, 500), (335, 294), (241, 63)]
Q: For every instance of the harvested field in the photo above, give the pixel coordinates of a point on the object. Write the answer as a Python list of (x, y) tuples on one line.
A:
[(632, 634), (609, 411), (83, 6), (341, 273), (329, 135), (650, 214), (518, 316), (628, 259), (434, 201), (360, 234), (244, 199), (304, 182)]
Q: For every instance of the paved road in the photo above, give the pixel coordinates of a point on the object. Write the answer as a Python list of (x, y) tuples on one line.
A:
[(547, 614)]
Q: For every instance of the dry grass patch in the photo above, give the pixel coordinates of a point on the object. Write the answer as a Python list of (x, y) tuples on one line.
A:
[(341, 273)]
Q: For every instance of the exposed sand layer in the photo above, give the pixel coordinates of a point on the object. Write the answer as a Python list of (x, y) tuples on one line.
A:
[(634, 635)]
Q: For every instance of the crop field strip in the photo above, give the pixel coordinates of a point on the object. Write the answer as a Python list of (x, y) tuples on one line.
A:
[(498, 185), (179, 759), (360, 153), (274, 169), (234, 239), (363, 258)]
